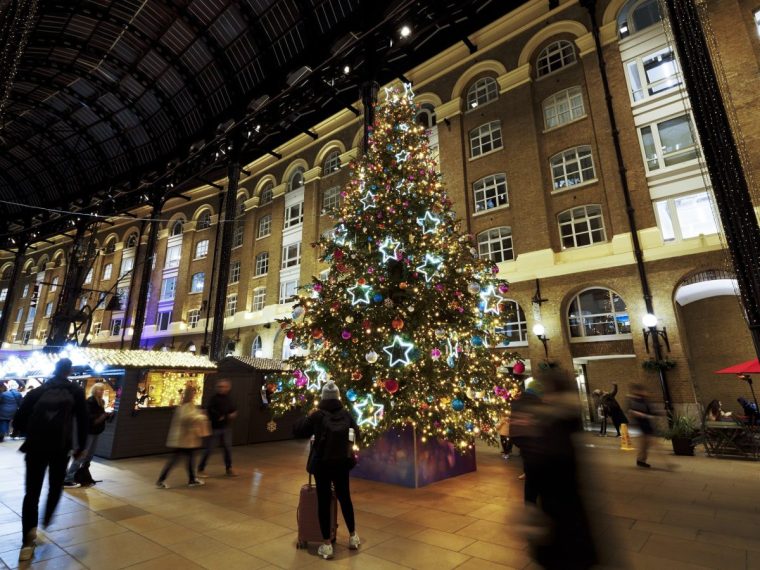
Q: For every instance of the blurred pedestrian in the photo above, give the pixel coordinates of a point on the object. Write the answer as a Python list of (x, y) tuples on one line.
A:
[(642, 412), (46, 417), (503, 428), (97, 416), (524, 434), (186, 433), (221, 411), (614, 411), (10, 400), (601, 411)]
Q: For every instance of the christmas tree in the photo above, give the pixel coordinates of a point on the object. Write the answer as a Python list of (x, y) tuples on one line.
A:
[(406, 322)]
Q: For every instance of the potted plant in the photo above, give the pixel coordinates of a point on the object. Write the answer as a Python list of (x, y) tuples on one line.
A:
[(681, 433)]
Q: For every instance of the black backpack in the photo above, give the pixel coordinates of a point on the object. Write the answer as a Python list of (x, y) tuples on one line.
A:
[(50, 423), (334, 444)]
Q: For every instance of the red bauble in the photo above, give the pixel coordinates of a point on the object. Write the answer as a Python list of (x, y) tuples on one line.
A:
[(397, 323), (518, 368), (356, 375), (317, 333), (391, 385), (290, 334)]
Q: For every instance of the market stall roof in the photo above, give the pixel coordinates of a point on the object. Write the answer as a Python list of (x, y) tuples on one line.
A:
[(256, 362), (101, 100), (749, 367)]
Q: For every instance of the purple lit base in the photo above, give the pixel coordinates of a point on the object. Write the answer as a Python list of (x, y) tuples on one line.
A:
[(401, 458)]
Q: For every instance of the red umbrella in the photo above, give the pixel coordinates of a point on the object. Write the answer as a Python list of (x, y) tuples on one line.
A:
[(749, 367)]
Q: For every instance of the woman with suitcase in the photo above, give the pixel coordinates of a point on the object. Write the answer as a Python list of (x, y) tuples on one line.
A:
[(330, 460)]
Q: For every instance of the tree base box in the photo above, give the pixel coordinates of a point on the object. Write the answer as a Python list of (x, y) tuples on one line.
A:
[(400, 457)]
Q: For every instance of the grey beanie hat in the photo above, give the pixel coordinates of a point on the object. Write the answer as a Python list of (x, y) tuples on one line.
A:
[(330, 391)]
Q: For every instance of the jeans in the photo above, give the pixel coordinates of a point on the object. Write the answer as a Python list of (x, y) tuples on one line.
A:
[(4, 428), (224, 437), (37, 462), (178, 454), (338, 476), (87, 454)]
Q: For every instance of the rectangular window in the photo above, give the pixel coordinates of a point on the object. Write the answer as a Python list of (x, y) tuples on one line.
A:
[(757, 21), (235, 272), (259, 299), (485, 138), (201, 249), (262, 263), (293, 215), (127, 264), (684, 217), (168, 286), (573, 166), (107, 269), (173, 255), (668, 143), (330, 199), (4, 294), (19, 314), (123, 294), (193, 316), (563, 107), (230, 308), (238, 235), (25, 291), (490, 192), (288, 290), (265, 226), (87, 279), (653, 74), (32, 313), (48, 309), (96, 328), (26, 337), (581, 226), (116, 327), (163, 319), (197, 282), (291, 255)]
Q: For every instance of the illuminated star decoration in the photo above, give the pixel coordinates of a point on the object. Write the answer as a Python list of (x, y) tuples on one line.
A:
[(429, 223), (402, 156), (398, 351), (389, 248), (374, 412), (489, 296), (320, 376), (430, 267), (408, 93), (390, 94), (340, 234), (452, 352), (360, 294), (368, 200), (404, 127)]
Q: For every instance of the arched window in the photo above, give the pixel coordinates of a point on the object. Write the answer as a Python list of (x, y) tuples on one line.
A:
[(177, 228), (572, 166), (496, 244), (554, 57), (483, 91), (110, 246), (598, 312), (332, 163), (296, 179), (581, 226), (266, 194), (131, 241), (515, 326), (238, 233), (638, 15), (426, 116), (257, 347), (204, 220)]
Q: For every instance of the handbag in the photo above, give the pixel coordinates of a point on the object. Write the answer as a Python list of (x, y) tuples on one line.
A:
[(203, 426)]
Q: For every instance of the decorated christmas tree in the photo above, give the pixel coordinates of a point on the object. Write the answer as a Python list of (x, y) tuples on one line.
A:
[(407, 321)]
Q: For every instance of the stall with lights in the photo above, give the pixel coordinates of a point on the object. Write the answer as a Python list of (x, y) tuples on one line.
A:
[(142, 389)]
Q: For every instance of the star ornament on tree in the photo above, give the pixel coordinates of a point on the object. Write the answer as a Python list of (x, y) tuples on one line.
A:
[(368, 200), (402, 156), (389, 248), (360, 294), (430, 267), (490, 300), (398, 352), (319, 375), (429, 223), (340, 234), (368, 412)]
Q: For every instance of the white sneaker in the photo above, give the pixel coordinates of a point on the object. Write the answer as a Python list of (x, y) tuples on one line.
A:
[(196, 483), (162, 485), (325, 551), (354, 542)]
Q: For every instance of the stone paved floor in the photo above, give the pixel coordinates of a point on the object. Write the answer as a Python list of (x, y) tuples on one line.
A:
[(689, 513)]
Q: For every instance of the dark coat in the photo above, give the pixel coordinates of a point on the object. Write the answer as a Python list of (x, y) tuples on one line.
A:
[(613, 409), (311, 425), (97, 416), (10, 401)]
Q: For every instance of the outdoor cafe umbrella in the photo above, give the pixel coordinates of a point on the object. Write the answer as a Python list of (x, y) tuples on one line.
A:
[(744, 370)]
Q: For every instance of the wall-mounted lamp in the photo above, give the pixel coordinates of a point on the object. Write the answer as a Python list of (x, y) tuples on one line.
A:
[(192, 348), (540, 331), (650, 329)]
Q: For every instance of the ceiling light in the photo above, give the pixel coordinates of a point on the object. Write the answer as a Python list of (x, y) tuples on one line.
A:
[(405, 31), (346, 69)]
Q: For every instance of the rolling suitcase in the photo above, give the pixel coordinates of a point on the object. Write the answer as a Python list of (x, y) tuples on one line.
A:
[(308, 517)]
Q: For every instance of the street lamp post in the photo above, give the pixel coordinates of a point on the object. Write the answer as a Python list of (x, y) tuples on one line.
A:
[(656, 335)]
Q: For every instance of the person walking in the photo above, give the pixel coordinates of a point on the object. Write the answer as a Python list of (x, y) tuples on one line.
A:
[(46, 417), (601, 411), (221, 411), (641, 410), (97, 416), (186, 433), (524, 431), (330, 461), (503, 428), (10, 400)]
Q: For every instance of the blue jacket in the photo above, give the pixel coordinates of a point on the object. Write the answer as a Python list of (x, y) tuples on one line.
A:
[(9, 403)]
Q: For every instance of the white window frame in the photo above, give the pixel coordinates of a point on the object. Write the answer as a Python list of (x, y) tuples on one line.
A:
[(238, 234), (555, 56), (87, 279), (230, 305), (586, 218), (330, 199), (757, 22), (616, 317), (491, 188), (110, 246), (3, 293), (54, 284), (168, 288), (163, 320), (25, 291), (285, 286), (116, 326), (257, 347), (194, 282), (295, 177), (107, 271), (331, 164), (259, 299), (626, 28), (201, 249), (485, 90), (131, 241), (486, 136), (293, 216), (96, 328), (563, 107), (517, 324), (291, 255), (127, 265), (668, 218), (264, 227), (570, 162), (173, 256), (193, 318), (491, 244), (262, 264), (668, 84), (19, 314), (204, 220), (656, 164), (48, 309), (178, 224), (267, 194), (235, 272)]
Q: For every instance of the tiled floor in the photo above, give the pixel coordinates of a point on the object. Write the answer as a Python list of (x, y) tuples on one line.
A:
[(689, 513)]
